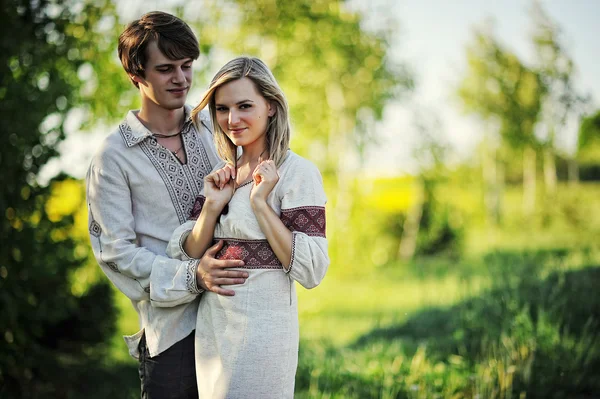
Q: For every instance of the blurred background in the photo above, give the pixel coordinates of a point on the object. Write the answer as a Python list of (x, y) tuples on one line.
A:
[(459, 144)]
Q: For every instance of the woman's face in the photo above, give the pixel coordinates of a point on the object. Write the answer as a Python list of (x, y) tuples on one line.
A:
[(243, 113)]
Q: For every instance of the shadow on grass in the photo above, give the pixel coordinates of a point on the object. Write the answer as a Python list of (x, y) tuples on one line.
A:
[(556, 313), (537, 319), (569, 298)]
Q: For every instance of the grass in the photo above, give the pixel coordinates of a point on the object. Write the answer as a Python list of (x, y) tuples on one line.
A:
[(507, 325), (518, 316), (523, 331)]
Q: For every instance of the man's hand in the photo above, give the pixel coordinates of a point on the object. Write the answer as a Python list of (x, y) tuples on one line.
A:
[(212, 273)]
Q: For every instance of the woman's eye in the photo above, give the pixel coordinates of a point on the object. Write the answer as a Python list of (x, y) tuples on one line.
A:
[(221, 109), (243, 106)]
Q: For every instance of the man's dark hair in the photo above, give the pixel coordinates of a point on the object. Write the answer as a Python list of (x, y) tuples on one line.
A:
[(174, 38)]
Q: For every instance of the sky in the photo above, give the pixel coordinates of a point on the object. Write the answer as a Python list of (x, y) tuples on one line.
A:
[(431, 40)]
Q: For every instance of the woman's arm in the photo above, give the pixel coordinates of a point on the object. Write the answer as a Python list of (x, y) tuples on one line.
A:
[(297, 236), (265, 178), (278, 236), (218, 190)]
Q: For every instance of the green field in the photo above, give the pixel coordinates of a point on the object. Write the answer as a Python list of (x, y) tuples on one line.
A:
[(517, 316)]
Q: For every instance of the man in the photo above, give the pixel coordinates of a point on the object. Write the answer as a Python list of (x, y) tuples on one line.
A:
[(141, 185)]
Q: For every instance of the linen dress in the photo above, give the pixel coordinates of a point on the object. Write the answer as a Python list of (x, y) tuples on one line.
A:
[(247, 344)]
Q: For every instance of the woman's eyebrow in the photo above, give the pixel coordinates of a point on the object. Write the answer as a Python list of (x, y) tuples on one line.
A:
[(238, 103)]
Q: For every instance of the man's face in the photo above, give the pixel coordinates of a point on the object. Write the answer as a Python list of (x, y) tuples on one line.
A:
[(167, 82)]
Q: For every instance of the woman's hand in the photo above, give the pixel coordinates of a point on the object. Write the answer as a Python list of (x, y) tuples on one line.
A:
[(218, 187), (265, 177)]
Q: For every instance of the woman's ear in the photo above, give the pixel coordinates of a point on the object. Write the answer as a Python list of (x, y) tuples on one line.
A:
[(272, 108)]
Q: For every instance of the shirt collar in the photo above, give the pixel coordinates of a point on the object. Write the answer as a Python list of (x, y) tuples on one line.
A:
[(134, 131)]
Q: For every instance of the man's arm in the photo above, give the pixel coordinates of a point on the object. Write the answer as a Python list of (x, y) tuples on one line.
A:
[(136, 271), (111, 227)]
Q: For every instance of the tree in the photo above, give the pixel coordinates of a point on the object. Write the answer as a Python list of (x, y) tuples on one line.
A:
[(50, 54), (500, 88), (588, 147), (427, 229), (337, 77), (561, 101)]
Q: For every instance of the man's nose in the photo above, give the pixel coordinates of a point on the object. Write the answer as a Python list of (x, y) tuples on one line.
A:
[(179, 76)]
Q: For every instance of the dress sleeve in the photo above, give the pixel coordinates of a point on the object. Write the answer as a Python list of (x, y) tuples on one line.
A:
[(136, 271), (303, 213)]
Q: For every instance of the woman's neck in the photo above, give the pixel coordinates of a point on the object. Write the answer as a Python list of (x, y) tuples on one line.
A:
[(253, 153)]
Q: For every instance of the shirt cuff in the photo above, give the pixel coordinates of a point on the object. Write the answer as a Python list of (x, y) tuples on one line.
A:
[(191, 283)]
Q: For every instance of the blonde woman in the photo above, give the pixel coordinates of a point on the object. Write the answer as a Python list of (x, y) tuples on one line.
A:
[(267, 205)]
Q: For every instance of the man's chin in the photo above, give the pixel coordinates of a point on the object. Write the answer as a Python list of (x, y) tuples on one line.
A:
[(173, 105)]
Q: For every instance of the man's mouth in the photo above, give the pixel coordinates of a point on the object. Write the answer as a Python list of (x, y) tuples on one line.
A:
[(179, 90)]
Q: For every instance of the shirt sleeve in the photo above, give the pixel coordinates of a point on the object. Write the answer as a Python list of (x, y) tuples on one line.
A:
[(136, 271), (303, 213)]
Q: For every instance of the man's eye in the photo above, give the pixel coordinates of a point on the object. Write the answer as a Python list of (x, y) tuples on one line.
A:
[(163, 70), (186, 67)]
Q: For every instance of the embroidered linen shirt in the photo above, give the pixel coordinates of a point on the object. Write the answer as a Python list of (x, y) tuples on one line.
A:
[(138, 193), (247, 344)]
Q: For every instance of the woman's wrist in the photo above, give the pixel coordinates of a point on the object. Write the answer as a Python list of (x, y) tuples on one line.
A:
[(213, 207), (258, 204)]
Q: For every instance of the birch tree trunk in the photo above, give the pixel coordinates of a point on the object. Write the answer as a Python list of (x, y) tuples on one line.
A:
[(493, 177), (410, 232), (573, 171), (549, 171), (529, 169)]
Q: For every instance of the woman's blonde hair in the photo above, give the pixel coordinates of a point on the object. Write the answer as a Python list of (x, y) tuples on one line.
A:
[(278, 127)]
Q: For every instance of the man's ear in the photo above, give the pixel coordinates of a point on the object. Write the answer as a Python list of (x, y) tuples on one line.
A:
[(136, 79)]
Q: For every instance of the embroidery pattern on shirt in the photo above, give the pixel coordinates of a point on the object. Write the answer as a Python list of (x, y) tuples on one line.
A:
[(113, 266), (197, 157), (95, 229), (309, 220), (190, 278), (171, 171), (183, 182)]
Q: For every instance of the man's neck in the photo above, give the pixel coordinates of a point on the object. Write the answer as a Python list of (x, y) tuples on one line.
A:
[(160, 120)]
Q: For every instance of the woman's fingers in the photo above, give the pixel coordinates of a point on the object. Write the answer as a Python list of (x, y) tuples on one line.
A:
[(222, 176)]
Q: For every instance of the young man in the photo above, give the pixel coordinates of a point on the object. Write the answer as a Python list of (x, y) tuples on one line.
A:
[(141, 185)]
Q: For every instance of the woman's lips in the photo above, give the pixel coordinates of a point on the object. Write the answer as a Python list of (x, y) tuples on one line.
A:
[(237, 131)]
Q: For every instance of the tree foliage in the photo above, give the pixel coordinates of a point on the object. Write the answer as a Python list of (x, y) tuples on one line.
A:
[(50, 332), (499, 86), (588, 147), (337, 76)]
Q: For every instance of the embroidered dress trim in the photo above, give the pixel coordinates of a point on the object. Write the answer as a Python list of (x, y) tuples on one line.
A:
[(256, 254), (197, 208), (289, 269), (309, 220)]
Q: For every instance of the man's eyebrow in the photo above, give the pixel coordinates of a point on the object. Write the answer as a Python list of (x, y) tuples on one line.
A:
[(171, 64)]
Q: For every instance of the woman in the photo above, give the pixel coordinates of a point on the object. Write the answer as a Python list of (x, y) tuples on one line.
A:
[(268, 206)]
